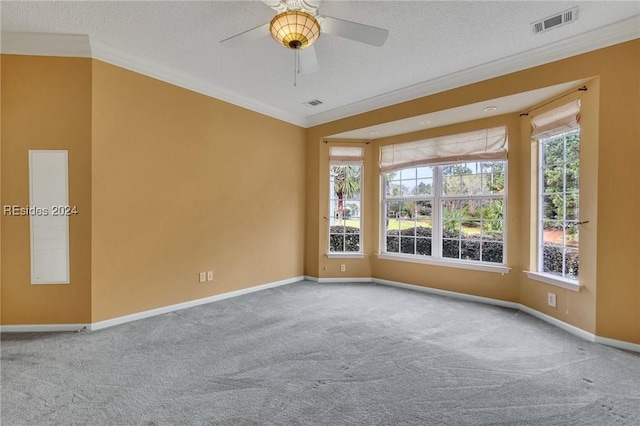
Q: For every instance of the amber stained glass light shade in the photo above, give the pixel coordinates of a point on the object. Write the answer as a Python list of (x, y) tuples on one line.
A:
[(295, 29)]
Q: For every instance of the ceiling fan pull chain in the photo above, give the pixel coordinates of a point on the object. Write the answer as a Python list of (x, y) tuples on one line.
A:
[(296, 68)]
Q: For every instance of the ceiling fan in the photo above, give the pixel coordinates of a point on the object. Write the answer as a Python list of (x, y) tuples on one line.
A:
[(297, 26)]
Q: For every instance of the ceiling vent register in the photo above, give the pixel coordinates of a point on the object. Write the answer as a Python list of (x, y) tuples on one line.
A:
[(313, 103), (555, 21)]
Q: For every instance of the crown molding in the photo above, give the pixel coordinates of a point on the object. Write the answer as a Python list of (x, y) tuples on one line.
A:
[(122, 59), (71, 45), (45, 44), (80, 46), (619, 32)]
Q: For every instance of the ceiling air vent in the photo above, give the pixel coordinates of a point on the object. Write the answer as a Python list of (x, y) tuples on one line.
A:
[(555, 20), (313, 103)]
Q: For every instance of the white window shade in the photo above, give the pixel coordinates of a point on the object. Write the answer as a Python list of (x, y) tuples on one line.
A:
[(479, 145), (556, 121), (345, 154)]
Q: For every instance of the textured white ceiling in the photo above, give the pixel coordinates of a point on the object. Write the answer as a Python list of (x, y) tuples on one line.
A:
[(429, 41)]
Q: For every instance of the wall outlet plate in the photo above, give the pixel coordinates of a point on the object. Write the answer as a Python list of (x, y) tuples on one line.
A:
[(343, 268), (551, 299), (203, 277), (209, 275)]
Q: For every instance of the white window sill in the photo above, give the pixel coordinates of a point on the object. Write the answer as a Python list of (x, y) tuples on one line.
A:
[(572, 285), (345, 255), (476, 266)]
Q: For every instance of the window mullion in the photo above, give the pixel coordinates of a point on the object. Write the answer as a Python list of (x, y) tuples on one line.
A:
[(565, 204), (492, 196), (540, 205), (436, 211)]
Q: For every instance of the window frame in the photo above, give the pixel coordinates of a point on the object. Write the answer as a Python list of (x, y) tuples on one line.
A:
[(540, 274), (437, 199), (346, 254)]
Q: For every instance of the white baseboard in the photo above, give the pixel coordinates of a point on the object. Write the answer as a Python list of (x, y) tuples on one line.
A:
[(463, 296), (190, 304), (634, 347), (338, 280), (39, 328), (140, 315), (620, 344), (560, 324), (344, 280)]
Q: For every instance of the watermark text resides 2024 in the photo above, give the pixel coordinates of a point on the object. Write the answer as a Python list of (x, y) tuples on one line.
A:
[(17, 210)]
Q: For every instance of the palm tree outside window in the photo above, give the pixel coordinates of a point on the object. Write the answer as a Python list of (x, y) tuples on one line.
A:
[(345, 197)]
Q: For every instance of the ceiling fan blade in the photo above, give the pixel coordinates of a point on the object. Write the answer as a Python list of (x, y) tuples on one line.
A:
[(247, 36), (353, 31), (309, 61)]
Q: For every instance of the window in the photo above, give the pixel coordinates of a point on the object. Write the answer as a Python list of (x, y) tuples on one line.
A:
[(559, 201), (345, 199), (452, 211), (444, 198), (558, 190)]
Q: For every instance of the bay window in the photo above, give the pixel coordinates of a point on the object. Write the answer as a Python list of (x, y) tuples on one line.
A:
[(445, 198)]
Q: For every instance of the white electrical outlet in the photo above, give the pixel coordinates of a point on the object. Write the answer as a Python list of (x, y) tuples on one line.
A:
[(551, 299), (343, 268), (209, 275), (203, 277)]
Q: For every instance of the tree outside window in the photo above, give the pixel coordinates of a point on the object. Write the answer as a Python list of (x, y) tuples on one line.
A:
[(345, 207), (559, 204), (453, 211)]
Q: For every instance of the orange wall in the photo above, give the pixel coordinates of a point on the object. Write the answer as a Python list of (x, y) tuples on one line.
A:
[(314, 178), (610, 303), (618, 311), (168, 183), (1, 187), (46, 104), (184, 183)]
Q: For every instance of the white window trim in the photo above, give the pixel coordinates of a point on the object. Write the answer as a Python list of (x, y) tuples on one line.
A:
[(436, 249), (537, 275), (569, 284), (449, 263), (347, 254)]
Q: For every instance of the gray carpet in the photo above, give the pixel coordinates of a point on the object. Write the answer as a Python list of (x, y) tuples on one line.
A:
[(321, 354)]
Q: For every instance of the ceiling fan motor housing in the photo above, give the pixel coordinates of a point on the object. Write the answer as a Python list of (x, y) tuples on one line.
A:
[(309, 6)]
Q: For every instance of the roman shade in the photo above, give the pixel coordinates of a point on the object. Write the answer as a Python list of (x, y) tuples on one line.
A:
[(556, 121), (346, 154), (478, 145)]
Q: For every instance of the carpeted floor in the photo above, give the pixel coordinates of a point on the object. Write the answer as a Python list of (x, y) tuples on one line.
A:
[(321, 354)]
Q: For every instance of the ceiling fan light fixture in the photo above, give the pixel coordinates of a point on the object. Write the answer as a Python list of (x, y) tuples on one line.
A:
[(295, 29)]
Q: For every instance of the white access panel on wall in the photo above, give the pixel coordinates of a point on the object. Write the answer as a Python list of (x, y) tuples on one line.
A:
[(48, 196)]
